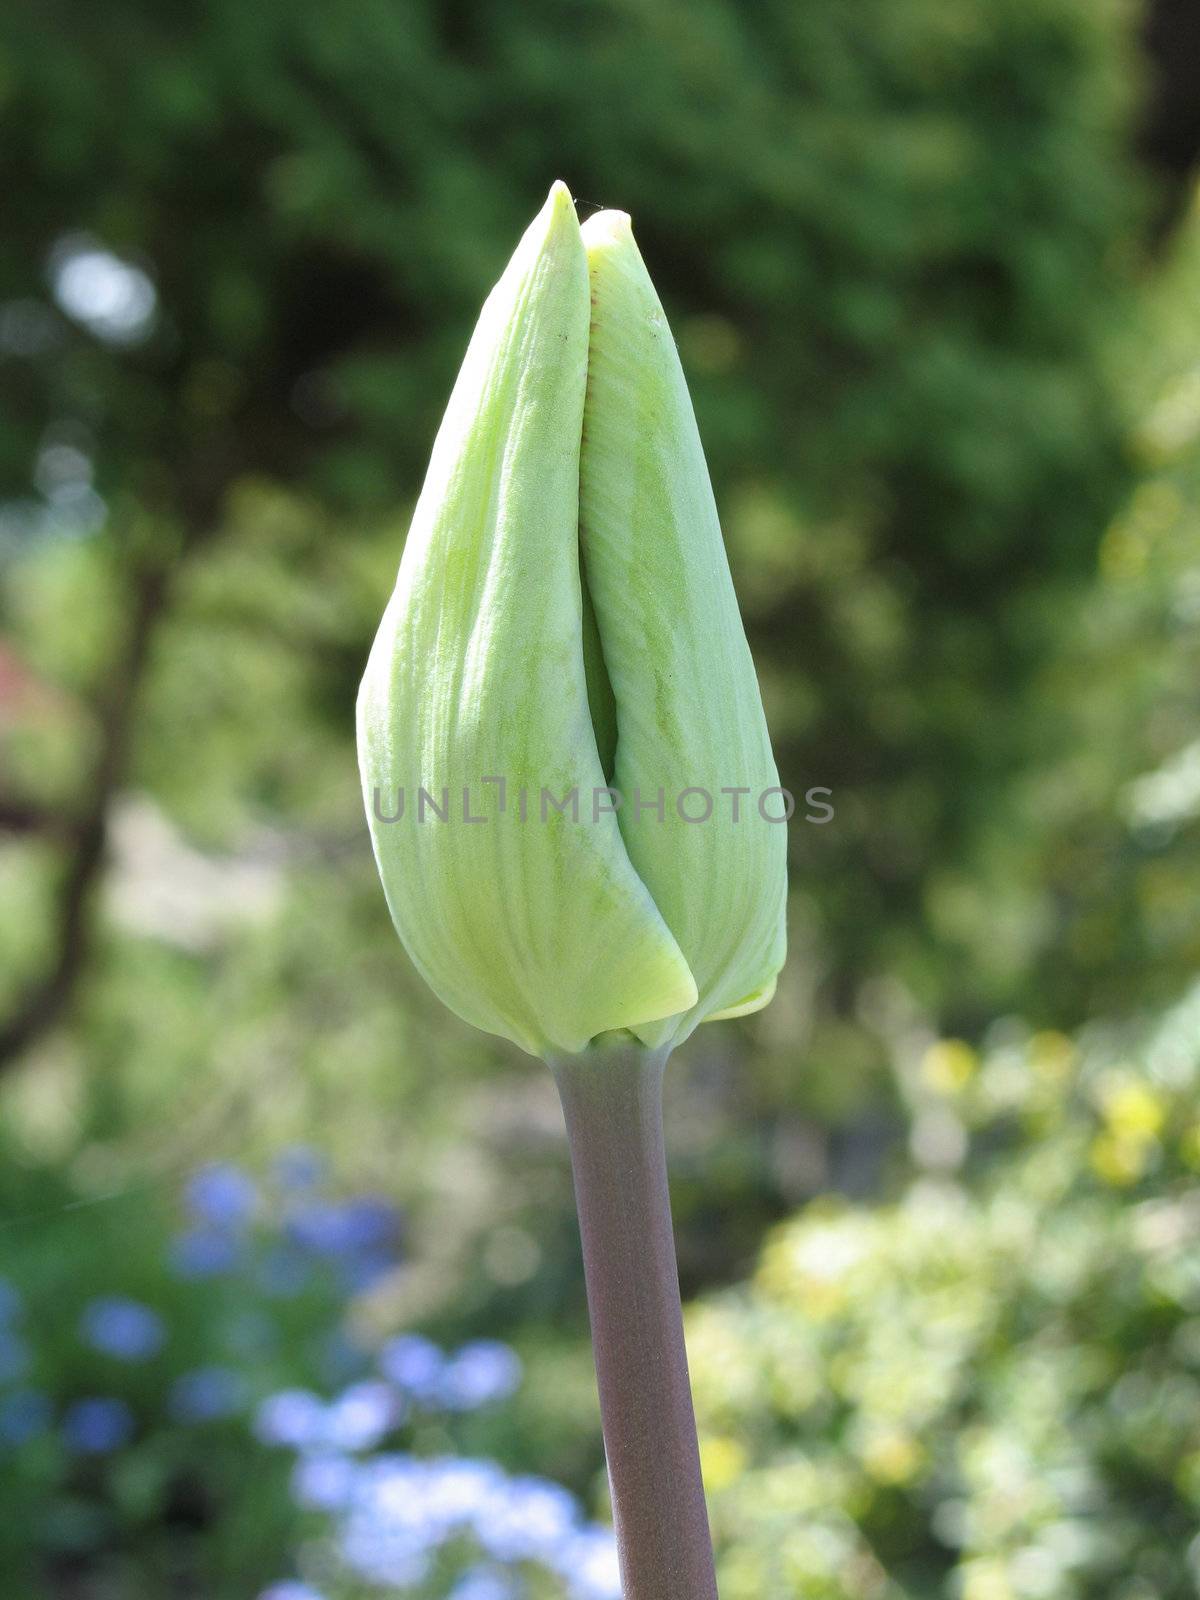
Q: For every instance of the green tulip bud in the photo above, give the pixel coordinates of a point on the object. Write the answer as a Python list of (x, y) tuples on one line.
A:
[(564, 624)]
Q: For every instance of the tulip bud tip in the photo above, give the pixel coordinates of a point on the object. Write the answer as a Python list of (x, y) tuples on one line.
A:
[(560, 196), (606, 228)]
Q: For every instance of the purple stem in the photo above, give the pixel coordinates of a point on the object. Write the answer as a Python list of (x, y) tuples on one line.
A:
[(612, 1101)]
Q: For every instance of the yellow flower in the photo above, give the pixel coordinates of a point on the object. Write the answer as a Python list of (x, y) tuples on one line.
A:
[(892, 1458), (1051, 1055), (949, 1065), (1118, 1161), (986, 1580), (722, 1461), (1132, 1110), (1189, 1147)]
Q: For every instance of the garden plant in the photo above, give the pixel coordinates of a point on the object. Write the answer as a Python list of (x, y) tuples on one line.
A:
[(564, 620)]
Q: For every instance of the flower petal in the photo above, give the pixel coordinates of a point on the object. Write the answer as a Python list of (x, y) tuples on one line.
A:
[(689, 714), (537, 929)]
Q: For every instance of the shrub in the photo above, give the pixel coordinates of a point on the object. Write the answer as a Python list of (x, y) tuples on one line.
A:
[(991, 1388)]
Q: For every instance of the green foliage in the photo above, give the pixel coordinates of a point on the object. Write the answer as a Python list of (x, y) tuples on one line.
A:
[(901, 245), (192, 1395), (989, 1388), (154, 1494), (893, 243), (1120, 791)]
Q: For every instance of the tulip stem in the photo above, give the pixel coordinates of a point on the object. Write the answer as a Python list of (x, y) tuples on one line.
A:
[(612, 1101)]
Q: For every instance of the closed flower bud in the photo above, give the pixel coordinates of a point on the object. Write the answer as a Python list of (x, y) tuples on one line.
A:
[(561, 681)]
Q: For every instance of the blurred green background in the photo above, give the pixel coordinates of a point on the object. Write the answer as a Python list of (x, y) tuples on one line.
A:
[(290, 1297)]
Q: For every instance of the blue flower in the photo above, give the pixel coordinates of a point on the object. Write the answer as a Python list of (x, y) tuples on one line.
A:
[(324, 1482), (372, 1223), (362, 1415), (299, 1167), (360, 1269), (204, 1253), (396, 1517), (395, 1511), (590, 1565), (207, 1394), (125, 1329), (484, 1583), (386, 1536), (14, 1356), (317, 1226), (389, 1554), (533, 1521), (94, 1426), (222, 1195), (363, 1234), (480, 1372), (24, 1414), (413, 1364), (291, 1591), (388, 1481), (293, 1417), (429, 1500), (456, 1492)]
